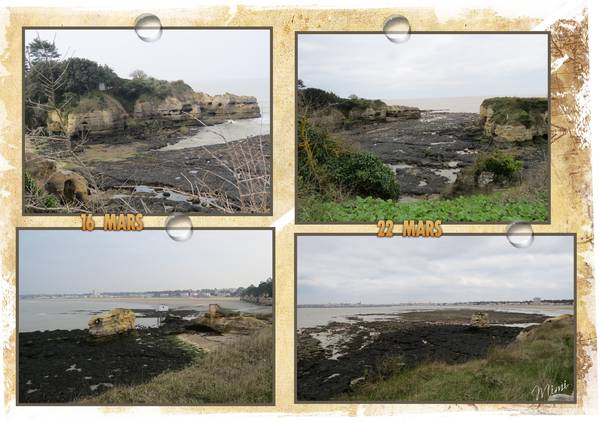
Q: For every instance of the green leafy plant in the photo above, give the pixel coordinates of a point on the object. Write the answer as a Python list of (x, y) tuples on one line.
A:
[(474, 208), (503, 166)]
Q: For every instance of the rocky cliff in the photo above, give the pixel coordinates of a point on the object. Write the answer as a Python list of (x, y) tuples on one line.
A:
[(186, 108), (101, 114), (513, 119)]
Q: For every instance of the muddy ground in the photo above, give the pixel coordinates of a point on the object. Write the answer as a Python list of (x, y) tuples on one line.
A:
[(428, 154), (332, 359)]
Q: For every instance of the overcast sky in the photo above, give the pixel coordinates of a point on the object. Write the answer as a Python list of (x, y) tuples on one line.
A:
[(367, 269), (426, 66), (212, 61), (73, 261)]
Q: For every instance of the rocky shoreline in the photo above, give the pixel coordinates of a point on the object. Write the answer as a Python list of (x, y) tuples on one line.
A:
[(65, 365), (429, 154), (60, 366), (132, 174), (332, 359)]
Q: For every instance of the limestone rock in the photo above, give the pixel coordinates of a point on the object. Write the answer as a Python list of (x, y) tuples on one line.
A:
[(513, 119), (95, 114), (485, 178), (186, 108), (228, 322), (68, 186), (480, 320), (328, 118), (40, 168), (116, 321), (398, 112)]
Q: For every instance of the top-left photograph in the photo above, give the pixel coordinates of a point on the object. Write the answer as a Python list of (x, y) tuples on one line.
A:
[(118, 122)]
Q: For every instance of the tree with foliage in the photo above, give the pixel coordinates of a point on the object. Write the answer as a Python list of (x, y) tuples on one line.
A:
[(138, 74), (41, 50)]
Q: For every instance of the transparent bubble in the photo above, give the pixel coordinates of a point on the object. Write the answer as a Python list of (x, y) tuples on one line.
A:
[(519, 234), (179, 227), (148, 27), (397, 29)]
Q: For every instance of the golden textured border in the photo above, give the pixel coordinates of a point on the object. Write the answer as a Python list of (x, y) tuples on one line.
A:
[(570, 166)]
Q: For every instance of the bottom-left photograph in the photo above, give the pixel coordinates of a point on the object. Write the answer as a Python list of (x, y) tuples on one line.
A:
[(121, 318)]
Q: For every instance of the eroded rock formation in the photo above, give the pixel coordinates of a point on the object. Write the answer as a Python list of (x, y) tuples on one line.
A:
[(513, 119), (102, 114), (186, 108), (398, 112), (223, 321), (116, 321)]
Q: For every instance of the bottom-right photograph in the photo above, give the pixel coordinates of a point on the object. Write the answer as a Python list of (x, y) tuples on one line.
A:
[(459, 318)]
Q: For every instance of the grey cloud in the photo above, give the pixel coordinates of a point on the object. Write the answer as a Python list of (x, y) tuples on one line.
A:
[(451, 268), (428, 65)]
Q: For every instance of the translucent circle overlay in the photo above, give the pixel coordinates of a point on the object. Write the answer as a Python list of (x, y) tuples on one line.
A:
[(148, 27), (519, 234), (397, 29), (179, 227)]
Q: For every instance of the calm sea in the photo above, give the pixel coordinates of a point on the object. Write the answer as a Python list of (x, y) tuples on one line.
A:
[(69, 314), (449, 104), (312, 317), (233, 130)]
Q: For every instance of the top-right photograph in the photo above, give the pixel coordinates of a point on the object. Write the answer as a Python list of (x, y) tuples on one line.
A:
[(441, 126)]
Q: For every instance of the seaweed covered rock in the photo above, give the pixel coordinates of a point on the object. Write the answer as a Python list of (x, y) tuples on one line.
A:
[(514, 119), (116, 321)]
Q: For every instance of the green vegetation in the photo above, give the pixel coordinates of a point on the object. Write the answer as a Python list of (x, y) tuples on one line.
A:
[(521, 371), (38, 196), (527, 111), (241, 373), (474, 208), (330, 169), (315, 99), (502, 165), (76, 83), (264, 289)]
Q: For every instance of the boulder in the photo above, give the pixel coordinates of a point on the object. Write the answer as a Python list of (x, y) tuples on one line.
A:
[(223, 321), (480, 320), (40, 168), (485, 178), (116, 321), (514, 119), (68, 186)]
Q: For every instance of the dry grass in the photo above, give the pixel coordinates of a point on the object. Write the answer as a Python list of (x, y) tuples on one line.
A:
[(239, 374)]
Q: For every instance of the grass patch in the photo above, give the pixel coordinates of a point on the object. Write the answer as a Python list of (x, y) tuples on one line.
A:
[(240, 374), (521, 371), (475, 208)]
